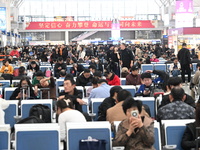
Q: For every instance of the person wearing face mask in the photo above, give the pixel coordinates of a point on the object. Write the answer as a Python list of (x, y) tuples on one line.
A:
[(28, 93), (98, 64)]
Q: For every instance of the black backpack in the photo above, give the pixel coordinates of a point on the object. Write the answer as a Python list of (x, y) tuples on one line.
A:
[(41, 111)]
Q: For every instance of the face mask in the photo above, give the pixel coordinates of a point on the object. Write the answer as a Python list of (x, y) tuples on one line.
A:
[(96, 61)]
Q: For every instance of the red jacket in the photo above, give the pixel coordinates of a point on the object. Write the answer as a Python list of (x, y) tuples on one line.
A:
[(14, 53), (114, 81)]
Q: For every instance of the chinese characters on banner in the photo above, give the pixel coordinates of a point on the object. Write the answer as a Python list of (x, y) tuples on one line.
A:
[(88, 25)]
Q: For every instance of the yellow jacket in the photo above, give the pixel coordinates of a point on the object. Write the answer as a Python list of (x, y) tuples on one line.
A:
[(10, 69)]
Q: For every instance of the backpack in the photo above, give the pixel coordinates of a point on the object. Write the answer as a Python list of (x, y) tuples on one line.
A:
[(28, 120), (41, 111)]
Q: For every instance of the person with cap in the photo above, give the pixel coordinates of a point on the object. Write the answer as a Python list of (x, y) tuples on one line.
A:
[(185, 61), (134, 78), (195, 81)]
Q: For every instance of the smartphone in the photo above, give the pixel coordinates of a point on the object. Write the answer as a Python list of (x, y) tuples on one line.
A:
[(146, 89), (135, 113)]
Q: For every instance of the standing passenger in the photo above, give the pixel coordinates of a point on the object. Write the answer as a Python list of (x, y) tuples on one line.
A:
[(185, 61)]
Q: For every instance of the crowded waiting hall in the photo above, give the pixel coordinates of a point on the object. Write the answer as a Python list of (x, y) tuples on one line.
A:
[(99, 75)]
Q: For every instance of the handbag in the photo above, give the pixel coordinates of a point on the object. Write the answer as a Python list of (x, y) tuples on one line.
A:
[(92, 144)]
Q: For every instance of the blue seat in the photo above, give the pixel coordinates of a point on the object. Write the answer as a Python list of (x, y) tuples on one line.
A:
[(96, 102), (130, 88), (37, 136), (68, 68), (59, 82), (27, 104), (194, 67), (145, 67), (80, 131), (148, 101), (123, 81), (4, 137), (85, 107), (44, 68), (160, 67), (8, 92), (157, 137), (174, 130), (10, 112)]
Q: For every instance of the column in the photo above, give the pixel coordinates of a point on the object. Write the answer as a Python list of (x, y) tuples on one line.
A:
[(66, 37)]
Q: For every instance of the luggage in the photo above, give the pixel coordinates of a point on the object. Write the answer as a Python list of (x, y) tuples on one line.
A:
[(42, 112)]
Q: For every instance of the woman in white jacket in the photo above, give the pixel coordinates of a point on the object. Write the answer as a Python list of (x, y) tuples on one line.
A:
[(3, 105)]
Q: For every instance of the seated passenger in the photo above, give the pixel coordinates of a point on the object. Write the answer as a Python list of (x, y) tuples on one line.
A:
[(34, 67), (71, 91), (135, 132), (177, 109), (108, 102), (176, 82), (189, 140), (146, 88), (62, 74), (28, 90), (6, 68), (47, 83), (84, 79), (66, 112), (22, 73), (60, 65), (102, 91), (175, 68), (115, 113), (124, 72), (112, 78), (154, 59), (134, 78)]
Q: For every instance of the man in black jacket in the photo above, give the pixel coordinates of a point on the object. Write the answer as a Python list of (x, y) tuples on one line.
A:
[(176, 82), (185, 61), (126, 57), (85, 78), (108, 102), (71, 91), (60, 65)]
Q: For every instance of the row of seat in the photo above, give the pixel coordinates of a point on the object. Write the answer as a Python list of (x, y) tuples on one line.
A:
[(9, 90), (164, 67), (26, 105), (47, 136)]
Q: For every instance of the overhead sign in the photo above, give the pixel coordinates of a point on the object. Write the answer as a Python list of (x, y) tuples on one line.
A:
[(184, 13), (89, 25)]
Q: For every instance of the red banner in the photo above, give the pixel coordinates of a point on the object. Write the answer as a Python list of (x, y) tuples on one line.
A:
[(89, 25)]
